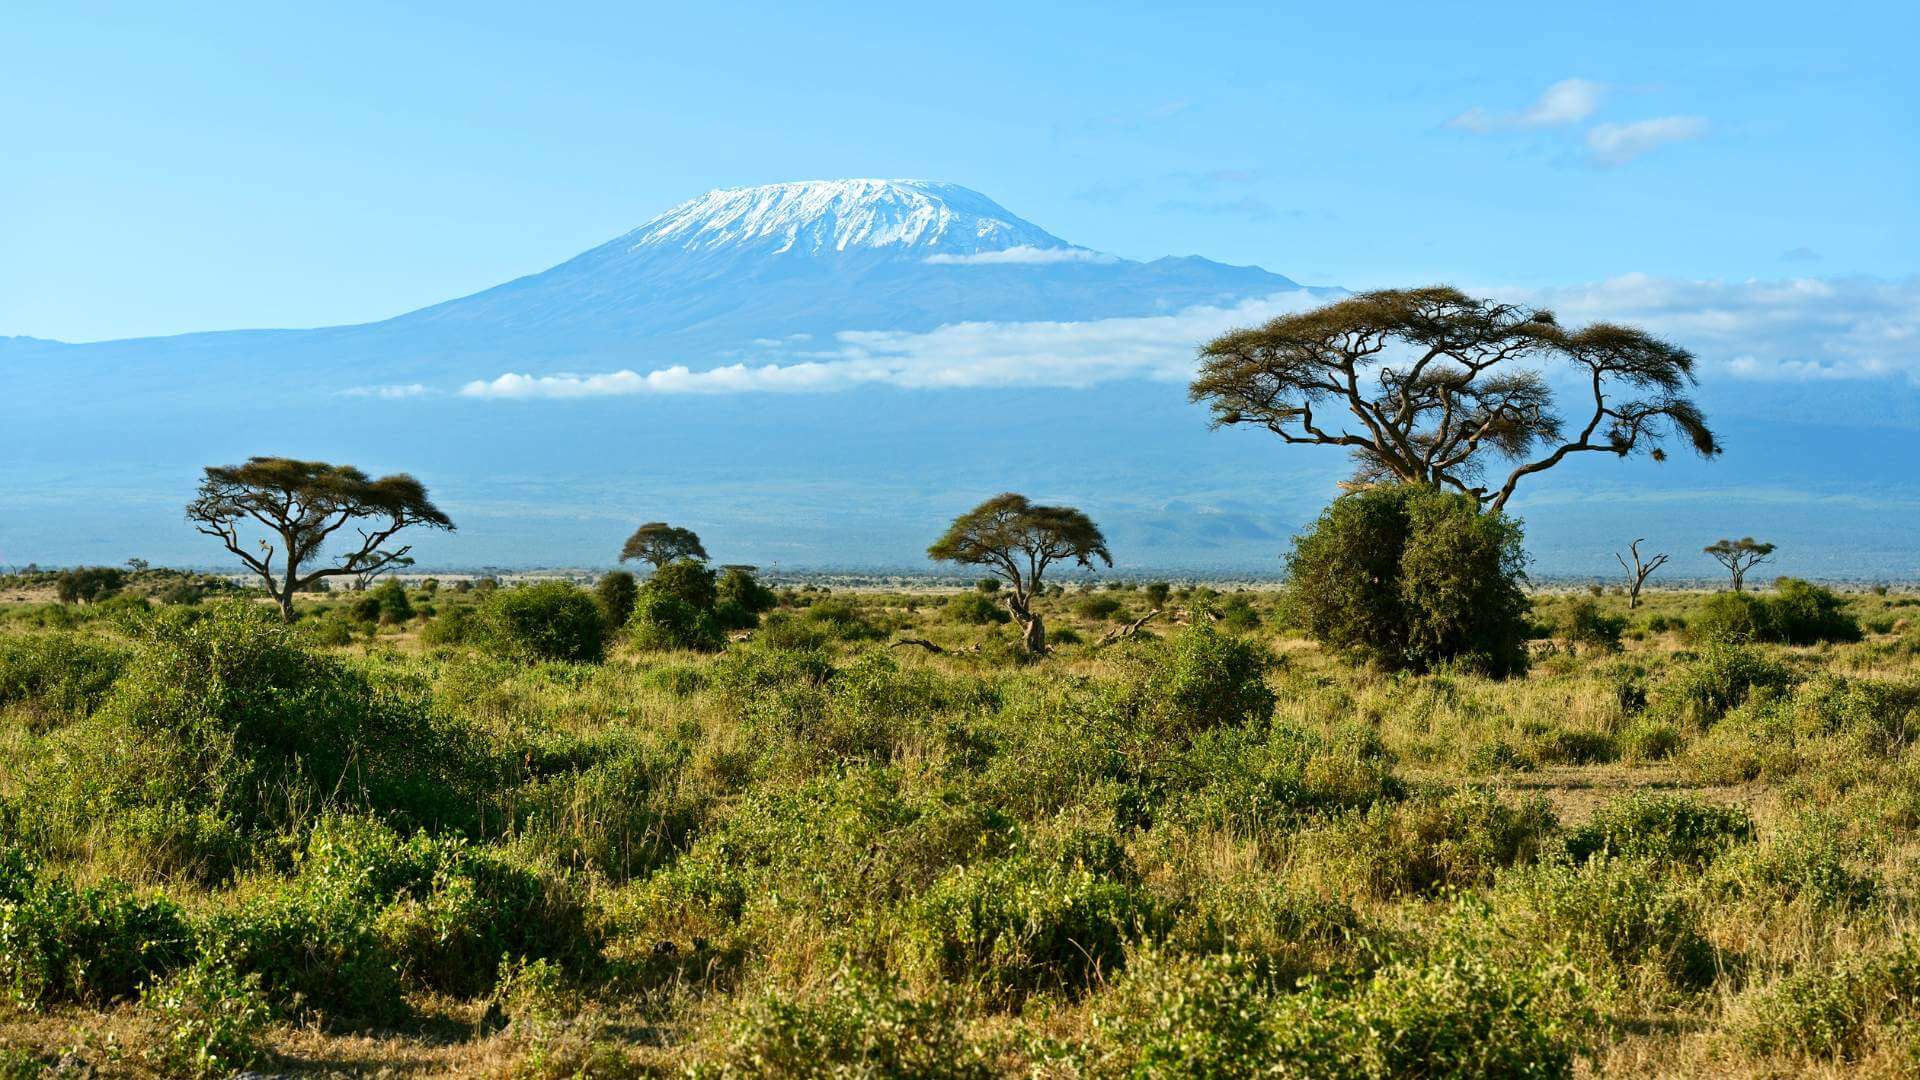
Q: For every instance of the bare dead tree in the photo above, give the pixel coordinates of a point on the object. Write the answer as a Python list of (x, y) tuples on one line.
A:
[(1639, 572), (1436, 386), (1120, 633)]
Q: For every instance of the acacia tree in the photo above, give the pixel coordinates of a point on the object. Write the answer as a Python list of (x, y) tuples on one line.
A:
[(1016, 541), (660, 543), (1639, 572), (303, 504), (1438, 386), (1739, 556)]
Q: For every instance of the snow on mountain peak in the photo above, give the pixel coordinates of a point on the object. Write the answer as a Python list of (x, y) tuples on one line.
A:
[(818, 216)]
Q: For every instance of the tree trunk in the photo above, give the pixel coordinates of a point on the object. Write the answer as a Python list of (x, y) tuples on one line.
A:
[(1633, 597), (1033, 634), (285, 599)]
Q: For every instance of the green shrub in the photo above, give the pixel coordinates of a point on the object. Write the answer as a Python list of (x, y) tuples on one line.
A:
[(1672, 829), (1832, 1013), (452, 626), (1197, 679), (1617, 917), (88, 584), (616, 592), (1723, 677), (857, 1025), (740, 600), (550, 620), (1018, 924), (1798, 613), (1411, 578), (1196, 1016), (1456, 1013), (662, 620), (975, 608), (1097, 606), (214, 1018), (1586, 625), (56, 677), (228, 727), (1801, 613), (688, 581), (391, 605), (95, 945), (1433, 842)]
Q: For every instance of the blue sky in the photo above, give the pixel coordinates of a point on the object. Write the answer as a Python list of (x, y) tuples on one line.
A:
[(171, 170)]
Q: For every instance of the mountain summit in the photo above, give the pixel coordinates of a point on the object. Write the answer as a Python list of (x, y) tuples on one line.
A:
[(817, 216)]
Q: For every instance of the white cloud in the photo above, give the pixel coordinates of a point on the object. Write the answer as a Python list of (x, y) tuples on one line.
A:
[(1798, 328), (392, 391), (1617, 144), (1568, 101), (980, 354), (1023, 255)]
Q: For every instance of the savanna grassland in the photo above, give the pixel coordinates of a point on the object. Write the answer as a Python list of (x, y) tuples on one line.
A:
[(387, 838)]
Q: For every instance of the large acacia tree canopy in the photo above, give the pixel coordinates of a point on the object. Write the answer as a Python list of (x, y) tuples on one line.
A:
[(1018, 540), (304, 503), (1432, 386), (660, 543)]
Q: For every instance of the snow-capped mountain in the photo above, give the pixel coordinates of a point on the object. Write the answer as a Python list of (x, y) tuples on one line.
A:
[(896, 295), (816, 216)]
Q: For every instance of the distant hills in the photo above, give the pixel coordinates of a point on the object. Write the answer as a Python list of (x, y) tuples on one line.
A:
[(818, 374)]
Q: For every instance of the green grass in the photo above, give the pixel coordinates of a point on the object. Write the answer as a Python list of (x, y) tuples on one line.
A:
[(814, 854)]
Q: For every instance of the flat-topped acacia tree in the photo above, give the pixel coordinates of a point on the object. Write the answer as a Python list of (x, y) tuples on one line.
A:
[(1016, 541), (659, 543), (1739, 556), (303, 504), (1433, 387)]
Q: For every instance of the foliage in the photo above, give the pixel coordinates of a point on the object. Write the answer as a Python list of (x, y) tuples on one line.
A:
[(616, 592), (547, 620), (214, 1019), (1412, 578), (1195, 680), (858, 1024), (1439, 384), (661, 544), (87, 584)]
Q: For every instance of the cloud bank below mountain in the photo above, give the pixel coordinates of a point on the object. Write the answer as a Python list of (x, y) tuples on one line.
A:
[(1802, 328)]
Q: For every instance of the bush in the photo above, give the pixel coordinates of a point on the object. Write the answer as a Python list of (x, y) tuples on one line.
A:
[(1670, 829), (1585, 625), (453, 626), (86, 584), (1831, 1013), (616, 592), (1723, 677), (391, 606), (1798, 613), (1618, 917), (1019, 924), (690, 582), (228, 727), (1433, 842), (214, 1018), (1198, 679), (859, 1024), (662, 620), (974, 608), (740, 600), (57, 676), (1096, 606), (96, 945), (550, 620), (1410, 578)]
